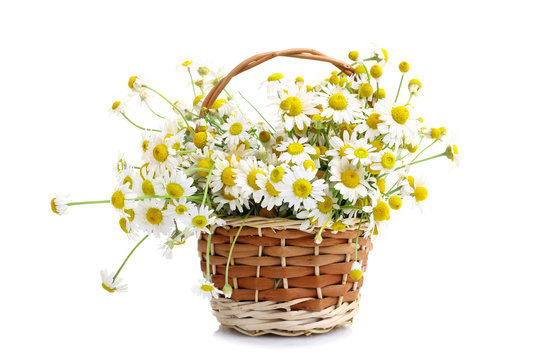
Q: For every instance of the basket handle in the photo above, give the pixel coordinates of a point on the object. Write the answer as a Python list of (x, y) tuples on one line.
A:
[(260, 58)]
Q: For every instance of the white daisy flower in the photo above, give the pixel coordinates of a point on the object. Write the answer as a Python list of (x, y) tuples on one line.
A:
[(160, 155), (379, 214), (339, 104), (299, 188), (270, 196), (224, 176), (152, 218), (274, 83), (318, 216), (350, 180), (128, 176), (360, 152), (295, 150), (179, 209), (200, 218), (414, 86), (380, 55), (234, 203), (122, 197), (370, 127), (235, 130), (341, 224), (177, 184), (339, 146), (59, 204), (250, 171), (207, 289), (398, 125), (222, 107), (385, 161), (294, 105), (110, 284), (137, 90)]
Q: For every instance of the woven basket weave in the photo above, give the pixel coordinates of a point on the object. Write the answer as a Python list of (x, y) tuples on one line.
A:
[(283, 283)]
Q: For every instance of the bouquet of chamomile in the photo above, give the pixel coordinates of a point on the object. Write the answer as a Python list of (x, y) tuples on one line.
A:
[(331, 154)]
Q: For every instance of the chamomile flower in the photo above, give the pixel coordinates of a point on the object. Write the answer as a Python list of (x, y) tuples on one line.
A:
[(177, 184), (300, 189), (380, 55), (341, 224), (399, 124), (225, 176), (295, 150), (350, 180), (370, 127), (208, 290), (318, 216), (235, 130), (222, 107), (179, 209), (122, 198), (360, 152), (160, 156), (152, 217), (274, 83), (250, 170), (231, 202), (128, 225), (379, 214), (112, 284), (200, 219), (385, 161), (128, 176), (294, 105), (339, 147), (271, 197), (59, 205), (338, 104), (356, 271), (414, 86), (420, 193)]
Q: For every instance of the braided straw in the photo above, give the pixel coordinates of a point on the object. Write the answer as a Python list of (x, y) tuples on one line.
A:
[(283, 282), (260, 58)]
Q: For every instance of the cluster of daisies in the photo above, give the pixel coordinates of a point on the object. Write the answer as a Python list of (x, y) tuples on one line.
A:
[(334, 154)]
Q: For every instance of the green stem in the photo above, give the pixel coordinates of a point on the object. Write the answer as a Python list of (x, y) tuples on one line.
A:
[(261, 115), (208, 253), (170, 103), (189, 171), (232, 247), (137, 126), (420, 161), (399, 88), (88, 202), (424, 149), (357, 236), (410, 97), (127, 258), (192, 83), (207, 183), (153, 112)]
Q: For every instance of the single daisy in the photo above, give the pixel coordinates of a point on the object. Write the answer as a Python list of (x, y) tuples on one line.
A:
[(111, 284), (274, 83), (295, 104), (179, 209), (232, 202), (370, 127), (122, 198), (207, 289), (318, 216), (152, 217), (270, 196), (385, 161), (341, 224), (59, 204), (338, 104), (177, 184), (235, 131), (360, 152), (339, 147), (399, 123), (295, 150), (200, 218), (225, 176), (250, 170), (299, 188), (160, 155), (350, 180)]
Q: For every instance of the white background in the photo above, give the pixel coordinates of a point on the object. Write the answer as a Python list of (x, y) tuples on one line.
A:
[(459, 281)]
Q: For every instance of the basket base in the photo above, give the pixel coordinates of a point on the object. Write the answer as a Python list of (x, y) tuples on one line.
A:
[(272, 317)]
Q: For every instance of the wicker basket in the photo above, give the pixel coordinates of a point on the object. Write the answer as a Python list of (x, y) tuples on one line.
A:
[(283, 283)]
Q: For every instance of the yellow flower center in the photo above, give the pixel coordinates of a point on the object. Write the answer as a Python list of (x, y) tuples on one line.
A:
[(292, 105), (148, 188), (154, 216), (395, 202), (343, 149), (338, 226), (295, 148), (435, 133), (228, 176), (277, 174), (131, 81), (187, 63), (404, 66), (160, 153), (381, 184), (275, 77), (412, 148), (53, 206), (366, 90), (175, 191), (118, 199), (181, 209), (271, 189), (116, 104), (197, 99), (361, 153), (415, 85), (410, 180), (199, 221), (252, 179), (264, 136), (353, 55), (356, 274), (236, 128), (350, 178), (207, 288), (376, 71), (108, 288), (309, 164), (381, 212), (130, 213), (128, 180), (326, 205), (205, 163), (400, 114), (338, 102), (145, 144), (420, 193), (302, 188), (388, 161), (123, 225), (218, 103), (199, 139), (373, 120)]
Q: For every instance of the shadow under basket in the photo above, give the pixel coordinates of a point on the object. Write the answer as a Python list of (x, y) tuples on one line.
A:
[(283, 282)]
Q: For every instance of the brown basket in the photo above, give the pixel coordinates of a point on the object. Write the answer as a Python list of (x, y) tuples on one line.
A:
[(283, 282), (315, 293)]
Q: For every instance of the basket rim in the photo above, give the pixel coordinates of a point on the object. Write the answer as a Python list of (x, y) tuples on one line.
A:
[(278, 223)]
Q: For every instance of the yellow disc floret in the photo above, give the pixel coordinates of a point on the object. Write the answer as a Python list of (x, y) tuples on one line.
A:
[(160, 152), (388, 160), (350, 178), (200, 139), (381, 184), (236, 128), (373, 120), (326, 205), (252, 178), (400, 114), (302, 188), (175, 191), (420, 193), (295, 148), (404, 66), (275, 77), (205, 163), (228, 176), (199, 221), (154, 216), (277, 174), (376, 71), (118, 199), (394, 202), (271, 189), (353, 55), (337, 102), (381, 212), (366, 90)]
